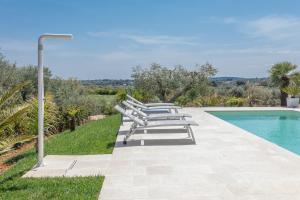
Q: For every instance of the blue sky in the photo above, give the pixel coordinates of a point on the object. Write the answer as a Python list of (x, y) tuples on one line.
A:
[(240, 38)]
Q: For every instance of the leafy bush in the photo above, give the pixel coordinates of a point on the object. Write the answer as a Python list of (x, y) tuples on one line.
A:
[(107, 91), (142, 95), (109, 109), (121, 95), (182, 100), (237, 91), (213, 100), (234, 101), (259, 95)]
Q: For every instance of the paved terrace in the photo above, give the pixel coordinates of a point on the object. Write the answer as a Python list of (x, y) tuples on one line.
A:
[(225, 162), (220, 162)]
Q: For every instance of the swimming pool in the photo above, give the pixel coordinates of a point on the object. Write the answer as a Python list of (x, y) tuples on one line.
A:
[(279, 127)]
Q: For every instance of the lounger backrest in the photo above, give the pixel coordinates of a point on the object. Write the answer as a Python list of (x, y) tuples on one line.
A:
[(134, 109), (136, 105), (134, 99), (130, 116)]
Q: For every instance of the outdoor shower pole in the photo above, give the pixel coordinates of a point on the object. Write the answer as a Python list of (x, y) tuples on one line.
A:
[(41, 99)]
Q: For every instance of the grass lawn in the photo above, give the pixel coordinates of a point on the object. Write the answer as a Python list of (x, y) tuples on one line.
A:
[(92, 138)]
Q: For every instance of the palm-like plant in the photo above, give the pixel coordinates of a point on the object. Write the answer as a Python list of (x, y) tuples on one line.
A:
[(280, 75), (51, 119), (294, 86), (10, 111)]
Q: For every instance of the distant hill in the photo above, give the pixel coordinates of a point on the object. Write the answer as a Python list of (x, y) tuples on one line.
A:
[(108, 82), (124, 82), (229, 78)]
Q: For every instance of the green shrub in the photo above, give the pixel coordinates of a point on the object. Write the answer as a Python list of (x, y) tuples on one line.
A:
[(234, 101), (213, 100), (106, 91), (109, 109), (121, 95), (237, 91), (259, 95), (142, 95), (182, 100)]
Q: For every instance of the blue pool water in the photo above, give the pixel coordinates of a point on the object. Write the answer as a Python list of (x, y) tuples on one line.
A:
[(279, 127)]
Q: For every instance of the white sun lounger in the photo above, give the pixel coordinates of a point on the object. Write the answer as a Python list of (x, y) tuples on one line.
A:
[(148, 104), (156, 108), (139, 124), (162, 116)]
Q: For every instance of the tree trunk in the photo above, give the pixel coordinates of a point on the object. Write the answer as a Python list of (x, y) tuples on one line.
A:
[(36, 145), (284, 95), (72, 124)]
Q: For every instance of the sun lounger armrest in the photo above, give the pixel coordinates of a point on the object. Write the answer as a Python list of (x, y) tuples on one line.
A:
[(159, 104), (136, 105), (128, 105), (133, 118), (134, 99), (165, 107)]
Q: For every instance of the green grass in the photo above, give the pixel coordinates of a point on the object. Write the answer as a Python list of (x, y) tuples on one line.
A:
[(92, 138), (95, 138)]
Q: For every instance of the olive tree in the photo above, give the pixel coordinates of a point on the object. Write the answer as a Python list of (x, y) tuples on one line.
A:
[(29, 73), (8, 74), (170, 83)]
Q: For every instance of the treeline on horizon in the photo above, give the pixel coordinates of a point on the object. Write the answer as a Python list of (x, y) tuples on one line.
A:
[(130, 82)]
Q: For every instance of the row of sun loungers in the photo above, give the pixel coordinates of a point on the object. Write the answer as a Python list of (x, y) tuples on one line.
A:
[(153, 115)]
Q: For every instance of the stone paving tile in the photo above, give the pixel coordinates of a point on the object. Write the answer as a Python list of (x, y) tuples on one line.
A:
[(225, 163), (63, 165)]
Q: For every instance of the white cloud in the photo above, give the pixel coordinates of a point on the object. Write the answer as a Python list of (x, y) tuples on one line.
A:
[(116, 56), (253, 51), (14, 45), (147, 39), (99, 34), (160, 39), (17, 45), (230, 20), (274, 27), (222, 20)]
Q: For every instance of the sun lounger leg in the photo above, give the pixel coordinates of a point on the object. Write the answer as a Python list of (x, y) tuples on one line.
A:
[(131, 132), (190, 132)]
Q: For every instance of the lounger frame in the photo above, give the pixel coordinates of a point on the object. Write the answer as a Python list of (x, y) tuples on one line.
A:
[(139, 124)]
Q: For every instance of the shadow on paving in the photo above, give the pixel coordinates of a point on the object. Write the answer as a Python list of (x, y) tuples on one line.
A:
[(157, 142)]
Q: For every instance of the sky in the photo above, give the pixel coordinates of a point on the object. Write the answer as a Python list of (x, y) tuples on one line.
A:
[(239, 38)]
